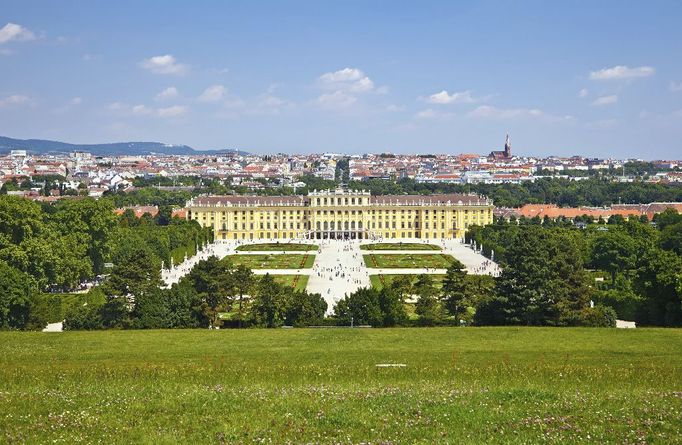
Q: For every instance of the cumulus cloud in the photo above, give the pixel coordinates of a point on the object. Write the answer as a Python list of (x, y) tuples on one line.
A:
[(168, 93), (583, 93), (145, 110), (214, 93), (605, 100), (73, 102), (490, 112), (622, 72), (336, 100), (12, 31), (395, 108), (174, 111), (166, 64), (348, 79), (487, 111), (675, 87), (429, 113), (15, 99), (444, 98)]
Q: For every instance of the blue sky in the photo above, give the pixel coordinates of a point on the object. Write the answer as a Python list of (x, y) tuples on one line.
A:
[(576, 77)]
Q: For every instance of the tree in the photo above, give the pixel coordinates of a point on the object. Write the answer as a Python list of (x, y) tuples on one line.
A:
[(454, 291), (427, 307), (304, 309), (17, 291), (361, 308), (543, 282), (659, 280), (242, 279), (614, 252), (392, 308), (136, 272), (671, 238), (268, 308), (212, 280)]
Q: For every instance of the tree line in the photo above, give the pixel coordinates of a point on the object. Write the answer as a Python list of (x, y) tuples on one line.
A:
[(631, 266), (57, 248), (214, 294)]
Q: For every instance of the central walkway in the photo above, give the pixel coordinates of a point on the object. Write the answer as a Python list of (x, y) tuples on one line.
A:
[(338, 271), (339, 268)]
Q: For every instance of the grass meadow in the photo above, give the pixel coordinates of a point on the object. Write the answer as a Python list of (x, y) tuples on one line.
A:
[(281, 247), (408, 261), (459, 385), (400, 246), (296, 282), (277, 261)]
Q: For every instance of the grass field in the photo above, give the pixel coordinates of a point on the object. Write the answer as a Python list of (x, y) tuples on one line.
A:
[(408, 261), (460, 385), (379, 281), (267, 247), (298, 282), (399, 246), (279, 261)]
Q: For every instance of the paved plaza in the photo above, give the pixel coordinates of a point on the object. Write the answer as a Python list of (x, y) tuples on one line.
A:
[(339, 269)]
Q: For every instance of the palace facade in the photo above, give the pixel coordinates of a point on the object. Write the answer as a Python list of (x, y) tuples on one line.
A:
[(340, 214)]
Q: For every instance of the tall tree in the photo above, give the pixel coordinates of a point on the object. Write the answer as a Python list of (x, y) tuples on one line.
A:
[(268, 307), (454, 291), (243, 281), (212, 279)]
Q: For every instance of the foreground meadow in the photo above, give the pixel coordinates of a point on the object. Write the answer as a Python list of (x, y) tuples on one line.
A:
[(459, 385)]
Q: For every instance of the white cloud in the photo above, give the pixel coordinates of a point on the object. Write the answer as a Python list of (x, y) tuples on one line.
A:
[(444, 98), (426, 114), (605, 100), (344, 75), (144, 110), (73, 102), (15, 99), (12, 31), (214, 93), (675, 87), (604, 123), (336, 100), (487, 111), (622, 72), (348, 79), (432, 114), (168, 93), (395, 108), (166, 64), (174, 111), (141, 110), (583, 93)]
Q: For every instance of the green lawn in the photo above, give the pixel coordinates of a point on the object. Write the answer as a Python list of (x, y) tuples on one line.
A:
[(405, 261), (266, 247), (279, 261), (298, 282), (381, 280), (460, 385), (399, 246)]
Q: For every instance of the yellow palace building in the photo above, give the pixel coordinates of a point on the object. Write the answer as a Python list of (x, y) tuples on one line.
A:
[(340, 214)]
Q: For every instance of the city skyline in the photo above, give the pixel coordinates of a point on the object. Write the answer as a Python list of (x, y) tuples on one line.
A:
[(598, 81)]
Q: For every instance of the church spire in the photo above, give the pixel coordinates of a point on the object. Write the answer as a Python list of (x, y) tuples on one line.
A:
[(507, 147)]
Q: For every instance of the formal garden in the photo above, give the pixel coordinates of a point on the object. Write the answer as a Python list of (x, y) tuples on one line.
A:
[(277, 247), (273, 261), (297, 283), (399, 246), (408, 261)]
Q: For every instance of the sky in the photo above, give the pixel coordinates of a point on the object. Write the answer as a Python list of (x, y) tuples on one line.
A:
[(599, 79)]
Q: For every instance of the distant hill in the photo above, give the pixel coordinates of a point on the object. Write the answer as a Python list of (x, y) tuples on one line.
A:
[(40, 146)]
